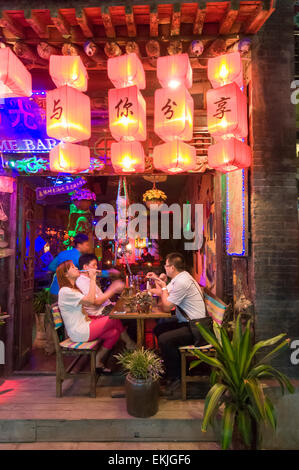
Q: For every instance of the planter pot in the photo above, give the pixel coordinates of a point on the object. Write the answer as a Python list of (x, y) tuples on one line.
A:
[(40, 337), (152, 202), (142, 397)]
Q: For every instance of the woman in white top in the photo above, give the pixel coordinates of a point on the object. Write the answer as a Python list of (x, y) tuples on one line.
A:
[(78, 325)]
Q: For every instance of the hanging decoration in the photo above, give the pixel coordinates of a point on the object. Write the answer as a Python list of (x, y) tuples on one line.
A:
[(15, 80), (174, 157), (174, 115), (126, 70), (35, 165), (68, 70), (225, 69), (69, 118), (45, 191), (153, 197), (229, 155), (127, 113), (6, 184), (69, 158)]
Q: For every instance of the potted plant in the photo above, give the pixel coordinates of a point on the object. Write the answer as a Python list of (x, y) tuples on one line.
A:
[(40, 300), (237, 389), (144, 369)]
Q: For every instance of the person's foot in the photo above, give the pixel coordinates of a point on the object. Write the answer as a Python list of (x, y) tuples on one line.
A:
[(102, 370)]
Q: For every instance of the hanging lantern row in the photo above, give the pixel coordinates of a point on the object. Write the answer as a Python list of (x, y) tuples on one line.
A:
[(227, 114), (127, 113), (174, 110), (15, 80), (68, 115)]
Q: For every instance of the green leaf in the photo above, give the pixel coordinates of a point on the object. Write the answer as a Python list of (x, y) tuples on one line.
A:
[(262, 344), (256, 394), (209, 337), (265, 370), (207, 359), (274, 352), (212, 402), (244, 348), (228, 421), (237, 334), (194, 364), (244, 425), (270, 412), (227, 348)]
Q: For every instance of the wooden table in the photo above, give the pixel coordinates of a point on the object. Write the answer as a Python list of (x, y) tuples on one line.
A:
[(140, 317)]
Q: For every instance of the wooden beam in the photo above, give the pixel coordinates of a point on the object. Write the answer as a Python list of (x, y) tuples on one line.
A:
[(107, 21), (260, 16), (40, 28), (6, 22), (176, 20), (84, 23), (200, 17), (154, 21), (229, 17), (61, 24), (129, 15)]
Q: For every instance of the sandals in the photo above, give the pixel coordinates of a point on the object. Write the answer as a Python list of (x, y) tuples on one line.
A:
[(103, 371)]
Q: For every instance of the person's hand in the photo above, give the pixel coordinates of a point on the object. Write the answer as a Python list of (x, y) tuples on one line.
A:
[(160, 283), (117, 286), (163, 277), (151, 275), (92, 274), (156, 291)]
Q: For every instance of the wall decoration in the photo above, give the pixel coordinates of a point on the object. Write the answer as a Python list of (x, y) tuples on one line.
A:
[(41, 193)]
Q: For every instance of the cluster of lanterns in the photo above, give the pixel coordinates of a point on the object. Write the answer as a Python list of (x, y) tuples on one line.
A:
[(68, 114), (227, 114), (127, 113)]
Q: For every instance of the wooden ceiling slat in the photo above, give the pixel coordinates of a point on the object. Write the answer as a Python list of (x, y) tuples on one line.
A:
[(107, 22), (84, 23), (129, 15), (7, 21), (61, 23), (176, 20), (260, 16), (229, 17), (200, 17), (154, 21)]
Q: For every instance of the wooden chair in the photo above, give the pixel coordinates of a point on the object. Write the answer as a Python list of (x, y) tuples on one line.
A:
[(71, 348), (216, 308)]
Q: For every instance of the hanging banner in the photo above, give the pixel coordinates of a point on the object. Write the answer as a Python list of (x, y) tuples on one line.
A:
[(41, 193)]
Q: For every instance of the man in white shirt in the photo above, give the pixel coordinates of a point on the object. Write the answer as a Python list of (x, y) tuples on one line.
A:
[(184, 294), (102, 299)]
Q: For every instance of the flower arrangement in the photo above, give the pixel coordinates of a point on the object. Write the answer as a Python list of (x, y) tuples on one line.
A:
[(144, 301), (154, 194), (142, 364)]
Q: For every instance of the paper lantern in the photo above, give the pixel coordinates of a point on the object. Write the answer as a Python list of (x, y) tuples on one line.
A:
[(173, 114), (69, 158), (127, 119), (227, 111), (68, 70), (6, 184), (127, 157), (225, 69), (174, 157), (15, 80), (229, 155), (125, 71), (174, 70), (68, 114)]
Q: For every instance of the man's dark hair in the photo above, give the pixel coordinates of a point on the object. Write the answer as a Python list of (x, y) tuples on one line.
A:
[(80, 238), (177, 260), (86, 259)]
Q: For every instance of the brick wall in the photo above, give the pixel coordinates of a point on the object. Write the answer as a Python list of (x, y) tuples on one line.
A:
[(274, 262)]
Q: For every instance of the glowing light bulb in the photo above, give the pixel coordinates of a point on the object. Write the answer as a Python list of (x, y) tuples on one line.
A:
[(223, 72), (173, 84)]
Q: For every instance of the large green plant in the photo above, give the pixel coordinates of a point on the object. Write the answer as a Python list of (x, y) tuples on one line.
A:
[(40, 300), (236, 381)]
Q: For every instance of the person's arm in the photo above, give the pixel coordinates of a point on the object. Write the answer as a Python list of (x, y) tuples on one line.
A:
[(162, 291), (54, 264), (115, 288), (90, 297)]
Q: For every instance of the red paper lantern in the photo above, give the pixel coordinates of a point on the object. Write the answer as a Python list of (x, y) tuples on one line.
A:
[(225, 69), (127, 119), (125, 71), (174, 70), (227, 112), (173, 114), (69, 158), (68, 114), (68, 70), (15, 80), (127, 157), (6, 184), (229, 155), (174, 157)]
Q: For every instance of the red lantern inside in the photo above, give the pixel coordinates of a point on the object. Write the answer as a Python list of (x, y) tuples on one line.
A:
[(173, 114), (69, 158), (15, 80), (127, 157), (68, 114), (225, 69), (227, 112), (126, 70), (174, 71), (229, 155), (68, 70), (127, 119), (174, 157)]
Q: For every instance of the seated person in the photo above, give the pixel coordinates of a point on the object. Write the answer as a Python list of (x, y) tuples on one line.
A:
[(146, 257), (88, 262), (79, 326), (182, 292)]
